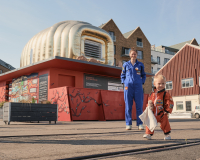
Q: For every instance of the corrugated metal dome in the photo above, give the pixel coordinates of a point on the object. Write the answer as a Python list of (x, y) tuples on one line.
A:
[(66, 39)]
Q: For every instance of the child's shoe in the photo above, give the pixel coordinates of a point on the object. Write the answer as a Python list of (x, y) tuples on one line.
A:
[(128, 127), (167, 137), (140, 127), (147, 136)]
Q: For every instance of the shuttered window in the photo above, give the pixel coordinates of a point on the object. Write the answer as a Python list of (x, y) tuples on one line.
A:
[(92, 49)]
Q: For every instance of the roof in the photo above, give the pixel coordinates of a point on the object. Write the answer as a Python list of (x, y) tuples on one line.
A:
[(65, 63), (127, 34), (187, 44), (6, 65), (180, 45)]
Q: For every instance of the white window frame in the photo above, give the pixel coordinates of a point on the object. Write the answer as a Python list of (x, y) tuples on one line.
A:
[(168, 85), (178, 103), (186, 80)]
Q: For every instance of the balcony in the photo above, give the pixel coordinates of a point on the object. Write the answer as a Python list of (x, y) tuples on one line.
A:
[(154, 60), (139, 44)]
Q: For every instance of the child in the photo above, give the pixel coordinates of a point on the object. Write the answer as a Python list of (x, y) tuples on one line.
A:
[(161, 103)]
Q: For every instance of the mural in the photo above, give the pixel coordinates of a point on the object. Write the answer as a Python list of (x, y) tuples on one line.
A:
[(2, 93), (85, 104), (24, 88)]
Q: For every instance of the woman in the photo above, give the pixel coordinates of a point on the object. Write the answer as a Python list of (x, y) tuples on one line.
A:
[(133, 77)]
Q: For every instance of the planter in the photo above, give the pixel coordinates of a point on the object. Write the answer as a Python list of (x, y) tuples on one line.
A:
[(22, 112)]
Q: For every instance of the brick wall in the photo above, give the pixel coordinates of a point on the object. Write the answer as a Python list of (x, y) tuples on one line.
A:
[(131, 41)]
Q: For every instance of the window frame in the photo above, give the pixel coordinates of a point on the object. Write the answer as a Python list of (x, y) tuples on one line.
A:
[(179, 104), (187, 79), (167, 83), (159, 60), (138, 42), (138, 54)]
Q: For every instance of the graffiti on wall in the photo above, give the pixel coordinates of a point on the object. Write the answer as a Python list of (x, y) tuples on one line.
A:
[(24, 88), (2, 93)]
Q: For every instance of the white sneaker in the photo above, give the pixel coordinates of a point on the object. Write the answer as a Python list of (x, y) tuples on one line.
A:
[(128, 127), (147, 136), (141, 127), (167, 137)]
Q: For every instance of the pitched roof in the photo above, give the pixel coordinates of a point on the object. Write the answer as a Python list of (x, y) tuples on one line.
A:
[(180, 45), (187, 44), (6, 65), (127, 34)]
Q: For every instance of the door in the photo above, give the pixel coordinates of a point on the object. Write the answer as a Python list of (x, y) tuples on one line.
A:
[(188, 106)]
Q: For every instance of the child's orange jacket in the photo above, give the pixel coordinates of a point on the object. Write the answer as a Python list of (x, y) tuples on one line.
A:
[(162, 101)]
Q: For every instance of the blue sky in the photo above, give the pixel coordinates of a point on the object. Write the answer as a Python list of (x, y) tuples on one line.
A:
[(164, 22)]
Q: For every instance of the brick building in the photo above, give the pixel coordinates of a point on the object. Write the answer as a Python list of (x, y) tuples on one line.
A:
[(4, 67), (122, 44)]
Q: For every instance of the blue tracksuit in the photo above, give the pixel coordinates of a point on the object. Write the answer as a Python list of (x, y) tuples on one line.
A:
[(133, 76)]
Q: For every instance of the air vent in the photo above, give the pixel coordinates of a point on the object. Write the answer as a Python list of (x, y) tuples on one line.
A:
[(92, 49)]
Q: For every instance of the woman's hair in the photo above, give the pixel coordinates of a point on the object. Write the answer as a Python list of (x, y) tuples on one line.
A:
[(132, 49), (160, 76)]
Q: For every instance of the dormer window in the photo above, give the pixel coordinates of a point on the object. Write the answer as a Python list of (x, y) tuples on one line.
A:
[(112, 34), (139, 42)]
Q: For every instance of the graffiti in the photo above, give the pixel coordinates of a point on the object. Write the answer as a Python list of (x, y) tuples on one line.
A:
[(24, 88), (81, 101), (61, 99), (2, 93)]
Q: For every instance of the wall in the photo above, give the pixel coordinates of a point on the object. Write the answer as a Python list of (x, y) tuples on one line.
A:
[(193, 98), (162, 56)]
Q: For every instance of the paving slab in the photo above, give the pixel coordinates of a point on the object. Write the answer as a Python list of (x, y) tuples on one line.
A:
[(25, 140)]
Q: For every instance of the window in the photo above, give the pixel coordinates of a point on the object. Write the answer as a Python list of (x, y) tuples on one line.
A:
[(1, 71), (92, 49), (158, 69), (126, 51), (114, 61), (179, 105), (151, 69), (188, 106), (158, 60), (169, 85), (139, 42), (139, 55), (114, 49), (187, 82), (166, 60), (112, 34)]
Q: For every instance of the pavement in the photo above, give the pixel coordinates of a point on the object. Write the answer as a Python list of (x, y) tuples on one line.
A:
[(25, 140)]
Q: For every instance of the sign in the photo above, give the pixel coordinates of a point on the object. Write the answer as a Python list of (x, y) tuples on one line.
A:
[(43, 88), (101, 82)]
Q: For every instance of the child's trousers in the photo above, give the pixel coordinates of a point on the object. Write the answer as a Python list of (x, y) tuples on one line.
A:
[(164, 124)]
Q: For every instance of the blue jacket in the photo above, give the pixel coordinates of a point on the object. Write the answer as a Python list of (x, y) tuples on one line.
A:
[(134, 73)]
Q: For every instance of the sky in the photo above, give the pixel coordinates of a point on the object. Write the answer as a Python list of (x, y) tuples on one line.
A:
[(164, 22)]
